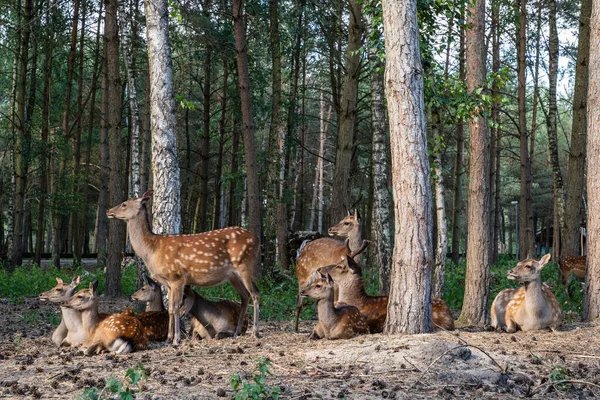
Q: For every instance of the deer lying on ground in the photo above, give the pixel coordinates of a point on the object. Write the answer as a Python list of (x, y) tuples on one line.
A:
[(530, 307), (118, 333), (325, 251), (575, 265), (341, 322), (211, 319), (70, 332), (155, 319), (347, 274), (204, 259)]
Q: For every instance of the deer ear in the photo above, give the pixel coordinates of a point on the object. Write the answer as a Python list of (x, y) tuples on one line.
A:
[(329, 279), (147, 196), (347, 243), (60, 281), (544, 260), (75, 281), (151, 282), (356, 214), (322, 274)]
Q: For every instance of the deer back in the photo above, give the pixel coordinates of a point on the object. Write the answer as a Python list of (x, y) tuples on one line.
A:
[(575, 265), (118, 333), (315, 254)]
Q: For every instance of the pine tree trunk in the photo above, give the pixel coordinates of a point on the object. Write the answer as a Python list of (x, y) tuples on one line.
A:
[(475, 304), (166, 206), (526, 228), (101, 218), (591, 305), (218, 209), (495, 132), (205, 148), (576, 167), (409, 307), (235, 148), (253, 192), (347, 113)]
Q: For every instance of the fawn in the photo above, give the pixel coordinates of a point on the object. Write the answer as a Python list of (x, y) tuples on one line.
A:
[(155, 319), (119, 333), (204, 259), (530, 307), (575, 265), (341, 322), (347, 274), (325, 251), (211, 319)]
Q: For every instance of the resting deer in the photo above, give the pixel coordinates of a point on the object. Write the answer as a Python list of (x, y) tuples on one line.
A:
[(575, 265), (341, 322), (347, 274), (118, 333), (325, 251), (70, 331), (155, 319), (204, 259), (211, 319), (529, 307)]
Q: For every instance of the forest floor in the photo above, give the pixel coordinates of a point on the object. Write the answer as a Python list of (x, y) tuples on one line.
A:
[(468, 363)]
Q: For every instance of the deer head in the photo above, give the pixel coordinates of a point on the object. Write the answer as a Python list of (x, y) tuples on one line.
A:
[(344, 268), (61, 292), (320, 289), (528, 270), (348, 224), (147, 292), (131, 208), (84, 299), (189, 297)]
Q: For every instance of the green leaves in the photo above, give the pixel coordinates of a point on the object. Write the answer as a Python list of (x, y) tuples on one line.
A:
[(255, 388)]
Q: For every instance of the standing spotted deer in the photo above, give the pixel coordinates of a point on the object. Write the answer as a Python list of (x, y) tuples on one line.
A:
[(118, 333), (572, 265), (204, 259), (341, 322), (347, 274), (326, 251), (155, 319), (530, 307)]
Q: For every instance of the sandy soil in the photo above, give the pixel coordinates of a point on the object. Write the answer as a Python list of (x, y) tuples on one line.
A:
[(468, 363)]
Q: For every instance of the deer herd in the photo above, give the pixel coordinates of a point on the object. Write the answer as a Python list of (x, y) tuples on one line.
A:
[(328, 271)]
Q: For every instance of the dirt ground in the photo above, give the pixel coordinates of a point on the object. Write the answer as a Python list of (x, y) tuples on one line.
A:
[(466, 363)]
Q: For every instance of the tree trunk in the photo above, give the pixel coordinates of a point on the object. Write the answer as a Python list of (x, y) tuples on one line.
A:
[(526, 229), (218, 209), (576, 166), (475, 305), (21, 151), (409, 307), (591, 305), (166, 206), (239, 28), (235, 148), (101, 218), (347, 114), (205, 148), (441, 247), (495, 131)]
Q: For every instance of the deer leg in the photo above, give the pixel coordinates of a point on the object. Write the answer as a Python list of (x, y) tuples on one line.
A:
[(245, 296), (298, 309), (175, 299), (250, 286)]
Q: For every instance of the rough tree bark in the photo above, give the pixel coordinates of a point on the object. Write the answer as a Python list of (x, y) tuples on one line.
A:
[(239, 28), (166, 206), (339, 200), (205, 147), (409, 307), (440, 208), (475, 305), (576, 167)]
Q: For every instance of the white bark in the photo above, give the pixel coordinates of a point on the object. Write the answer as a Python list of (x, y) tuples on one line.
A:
[(442, 225)]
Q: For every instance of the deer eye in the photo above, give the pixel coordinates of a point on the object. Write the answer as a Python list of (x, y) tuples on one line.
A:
[(318, 286), (80, 297), (123, 205), (346, 223)]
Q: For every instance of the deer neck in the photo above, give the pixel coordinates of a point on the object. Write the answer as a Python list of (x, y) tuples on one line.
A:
[(535, 302), (326, 310), (156, 304), (356, 239), (90, 318), (353, 292), (140, 236)]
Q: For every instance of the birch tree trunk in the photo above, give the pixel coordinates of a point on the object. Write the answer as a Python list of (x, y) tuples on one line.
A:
[(409, 307), (475, 305), (440, 209), (591, 305), (166, 204), (576, 167)]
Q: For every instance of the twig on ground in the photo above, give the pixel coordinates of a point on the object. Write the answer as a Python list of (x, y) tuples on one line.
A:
[(573, 381)]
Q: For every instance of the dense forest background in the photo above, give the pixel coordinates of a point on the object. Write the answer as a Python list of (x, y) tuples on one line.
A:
[(319, 122)]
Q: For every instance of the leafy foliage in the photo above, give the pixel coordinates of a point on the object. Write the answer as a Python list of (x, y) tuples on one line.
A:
[(255, 387)]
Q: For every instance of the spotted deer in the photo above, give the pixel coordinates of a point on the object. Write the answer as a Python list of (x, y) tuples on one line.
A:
[(204, 259), (347, 274), (118, 333), (325, 251), (155, 319), (211, 319), (335, 322), (530, 307), (571, 265)]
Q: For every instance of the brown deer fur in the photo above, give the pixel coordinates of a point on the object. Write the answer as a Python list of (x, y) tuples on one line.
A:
[(155, 319), (325, 251), (204, 259), (119, 333), (211, 319), (347, 274), (530, 307), (575, 265)]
